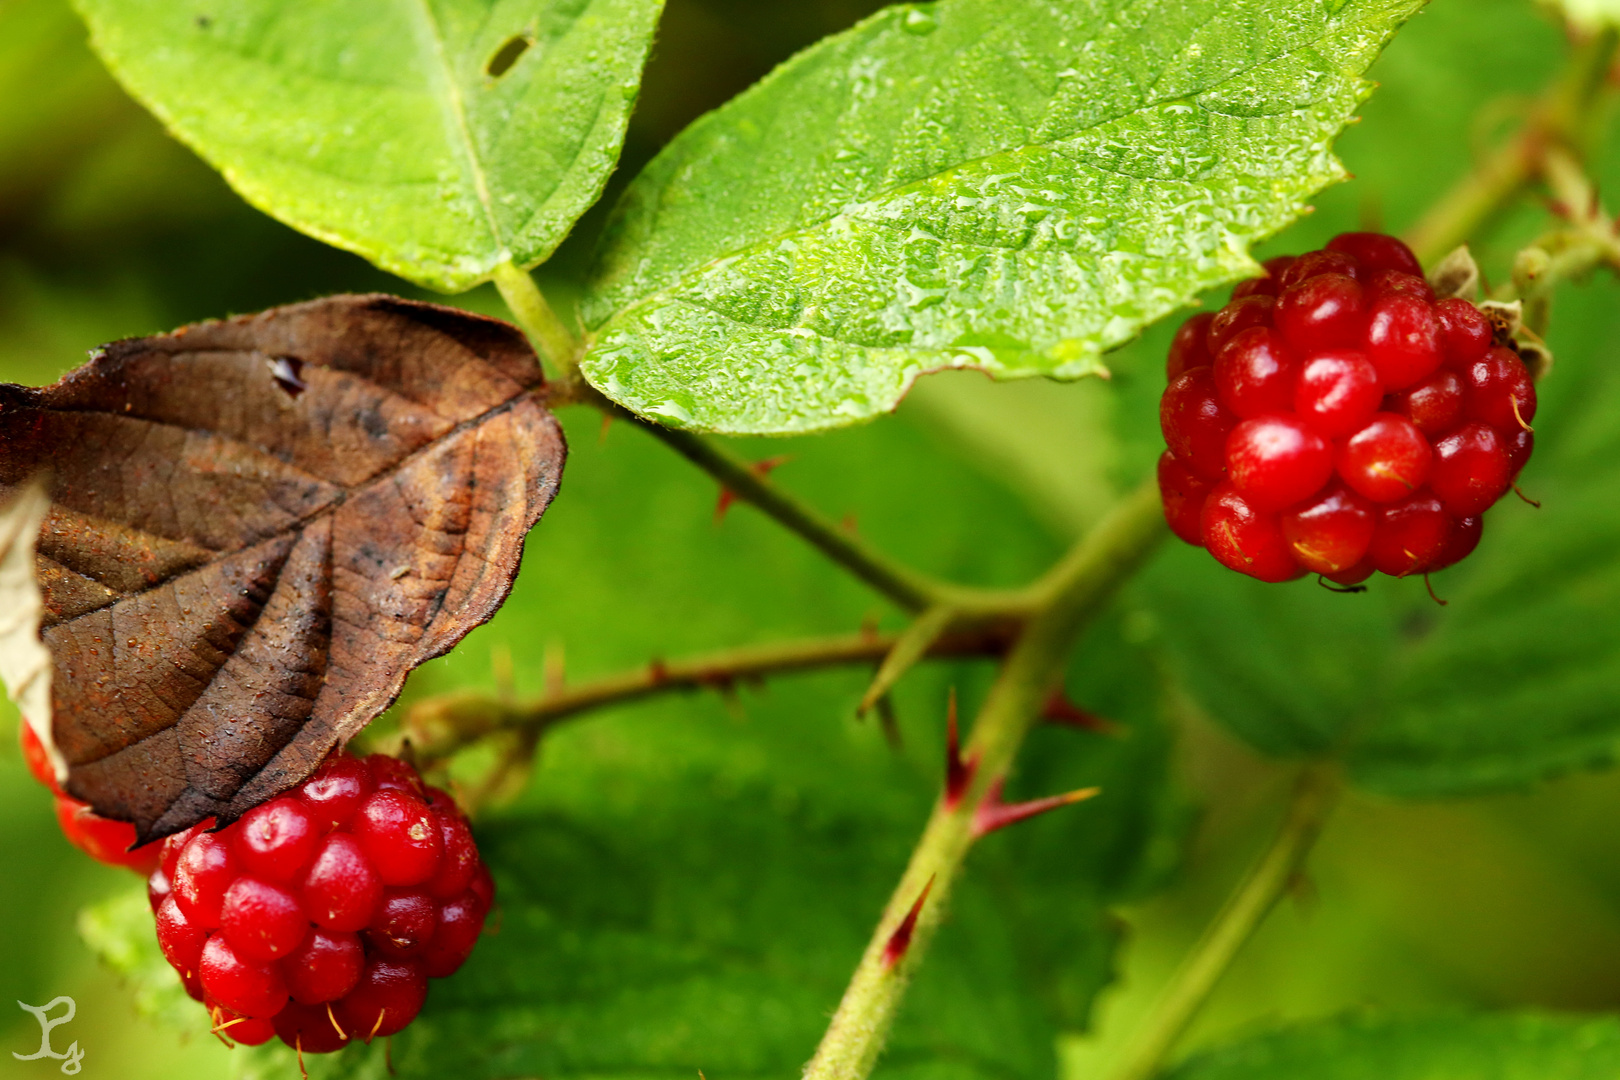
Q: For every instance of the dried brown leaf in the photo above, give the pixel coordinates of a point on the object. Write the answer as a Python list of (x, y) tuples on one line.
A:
[(259, 527)]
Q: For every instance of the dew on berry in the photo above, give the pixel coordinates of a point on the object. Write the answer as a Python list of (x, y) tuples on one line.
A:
[(324, 967), (399, 836), (205, 869), (336, 791), (341, 889), (275, 840), (263, 921)]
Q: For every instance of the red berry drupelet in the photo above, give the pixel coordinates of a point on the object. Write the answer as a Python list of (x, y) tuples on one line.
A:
[(320, 916), (1335, 419)]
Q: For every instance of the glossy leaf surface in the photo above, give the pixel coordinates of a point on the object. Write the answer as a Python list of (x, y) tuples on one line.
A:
[(259, 527), (1015, 186), (437, 138)]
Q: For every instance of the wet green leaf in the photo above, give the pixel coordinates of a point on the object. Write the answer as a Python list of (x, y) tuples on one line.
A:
[(1489, 1047), (1014, 186), (437, 138)]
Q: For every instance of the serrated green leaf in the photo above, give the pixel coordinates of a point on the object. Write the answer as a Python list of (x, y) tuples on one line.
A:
[(391, 127), (1490, 1047), (1016, 186)]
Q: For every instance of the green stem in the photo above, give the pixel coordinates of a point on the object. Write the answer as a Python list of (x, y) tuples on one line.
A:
[(1561, 116), (909, 589), (1074, 593), (546, 332), (439, 726), (1315, 793)]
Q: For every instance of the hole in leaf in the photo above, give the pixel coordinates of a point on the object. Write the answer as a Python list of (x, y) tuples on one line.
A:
[(507, 55), (289, 374)]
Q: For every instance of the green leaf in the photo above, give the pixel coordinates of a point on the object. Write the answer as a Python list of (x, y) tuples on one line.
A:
[(1490, 1047), (437, 138), (688, 886), (1014, 186), (1588, 14)]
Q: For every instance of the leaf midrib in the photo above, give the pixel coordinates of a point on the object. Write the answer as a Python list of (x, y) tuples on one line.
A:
[(455, 108), (681, 280)]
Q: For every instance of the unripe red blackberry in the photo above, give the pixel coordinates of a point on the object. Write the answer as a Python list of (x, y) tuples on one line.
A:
[(320, 916), (1336, 418)]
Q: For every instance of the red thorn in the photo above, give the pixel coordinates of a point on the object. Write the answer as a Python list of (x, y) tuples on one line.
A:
[(958, 771), (849, 524), (900, 940), (657, 671), (1060, 710), (759, 468), (993, 814)]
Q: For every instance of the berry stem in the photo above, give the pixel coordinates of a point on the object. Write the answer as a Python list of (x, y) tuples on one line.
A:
[(545, 331), (1072, 593), (1315, 793), (1561, 116)]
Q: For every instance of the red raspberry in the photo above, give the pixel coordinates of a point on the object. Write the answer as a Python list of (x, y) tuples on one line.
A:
[(284, 931), (1351, 425)]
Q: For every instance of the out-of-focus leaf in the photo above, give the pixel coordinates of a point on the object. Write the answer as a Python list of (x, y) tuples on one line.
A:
[(259, 527), (1015, 186), (1490, 1047), (121, 933), (438, 139), (1587, 14)]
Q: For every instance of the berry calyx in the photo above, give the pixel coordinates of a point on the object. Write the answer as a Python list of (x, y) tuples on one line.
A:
[(1336, 418), (320, 916)]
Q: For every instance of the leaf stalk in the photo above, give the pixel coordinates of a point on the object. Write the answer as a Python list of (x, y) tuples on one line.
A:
[(554, 342), (1315, 793)]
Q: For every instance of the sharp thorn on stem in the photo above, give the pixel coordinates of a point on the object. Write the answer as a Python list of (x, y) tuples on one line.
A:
[(958, 771), (760, 469), (657, 671), (900, 940), (1061, 711), (992, 814)]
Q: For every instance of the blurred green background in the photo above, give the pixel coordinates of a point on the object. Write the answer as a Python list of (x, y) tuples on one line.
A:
[(109, 229)]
